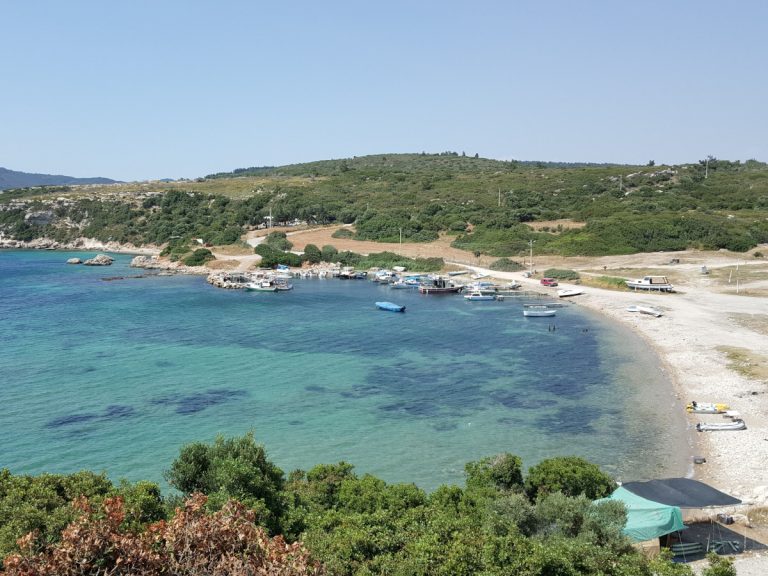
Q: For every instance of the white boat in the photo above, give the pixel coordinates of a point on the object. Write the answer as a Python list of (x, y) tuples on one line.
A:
[(706, 408), (478, 295), (645, 310), (261, 286), (658, 283), (566, 292), (538, 310), (735, 425)]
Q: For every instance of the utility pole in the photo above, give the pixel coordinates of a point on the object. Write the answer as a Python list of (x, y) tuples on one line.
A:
[(401, 236), (499, 196), (530, 243), (706, 168)]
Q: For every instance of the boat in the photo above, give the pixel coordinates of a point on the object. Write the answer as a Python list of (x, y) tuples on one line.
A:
[(735, 425), (282, 285), (706, 407), (651, 311), (404, 283), (567, 292), (536, 310), (658, 283), (478, 295), (261, 286), (390, 307), (440, 285)]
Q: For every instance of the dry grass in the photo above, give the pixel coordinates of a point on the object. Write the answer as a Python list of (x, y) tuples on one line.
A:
[(745, 362)]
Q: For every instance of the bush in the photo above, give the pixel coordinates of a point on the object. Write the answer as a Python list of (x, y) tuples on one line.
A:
[(199, 257), (503, 471), (561, 274), (343, 233), (570, 475), (329, 253), (506, 265), (278, 241)]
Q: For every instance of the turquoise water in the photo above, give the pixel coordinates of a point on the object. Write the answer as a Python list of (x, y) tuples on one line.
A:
[(117, 375)]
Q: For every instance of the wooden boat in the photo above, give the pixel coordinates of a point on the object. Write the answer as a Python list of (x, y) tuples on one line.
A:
[(567, 292), (478, 295), (658, 283), (706, 407), (536, 310), (390, 307), (735, 425)]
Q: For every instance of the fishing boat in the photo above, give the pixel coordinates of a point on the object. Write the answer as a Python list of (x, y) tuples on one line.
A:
[(478, 295), (735, 425), (281, 284), (390, 307), (440, 285), (706, 407), (536, 310), (567, 292), (261, 286), (651, 283)]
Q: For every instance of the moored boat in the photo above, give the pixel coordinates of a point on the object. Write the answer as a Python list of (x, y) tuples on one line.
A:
[(567, 292), (477, 295), (261, 286), (390, 307), (440, 285), (537, 310)]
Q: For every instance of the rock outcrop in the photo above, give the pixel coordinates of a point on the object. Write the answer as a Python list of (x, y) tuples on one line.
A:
[(99, 260), (74, 261)]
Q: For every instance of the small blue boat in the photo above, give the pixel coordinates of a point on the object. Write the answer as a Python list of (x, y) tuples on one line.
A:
[(389, 307)]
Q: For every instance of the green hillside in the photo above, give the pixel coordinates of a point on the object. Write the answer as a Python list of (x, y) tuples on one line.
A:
[(487, 204)]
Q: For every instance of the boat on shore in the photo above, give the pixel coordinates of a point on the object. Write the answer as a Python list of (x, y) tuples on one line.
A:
[(651, 283), (706, 408), (735, 425), (649, 310), (538, 310), (568, 292), (390, 307)]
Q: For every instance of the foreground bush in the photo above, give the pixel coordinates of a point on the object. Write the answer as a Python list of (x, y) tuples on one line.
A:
[(224, 543)]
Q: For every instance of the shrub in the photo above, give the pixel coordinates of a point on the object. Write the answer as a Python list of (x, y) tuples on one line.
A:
[(199, 257), (278, 241), (506, 265), (312, 254), (503, 471), (329, 253), (570, 475), (561, 274), (343, 233)]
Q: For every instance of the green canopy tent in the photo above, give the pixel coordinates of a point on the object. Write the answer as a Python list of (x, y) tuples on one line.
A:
[(646, 519)]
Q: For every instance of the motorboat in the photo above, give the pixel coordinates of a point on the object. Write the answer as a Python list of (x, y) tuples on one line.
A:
[(735, 425), (535, 310), (657, 283), (390, 307), (567, 292), (706, 408), (477, 295)]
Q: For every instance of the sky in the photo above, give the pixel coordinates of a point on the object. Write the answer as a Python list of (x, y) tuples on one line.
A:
[(149, 89)]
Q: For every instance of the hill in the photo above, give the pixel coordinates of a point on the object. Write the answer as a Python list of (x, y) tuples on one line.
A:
[(485, 206), (12, 179)]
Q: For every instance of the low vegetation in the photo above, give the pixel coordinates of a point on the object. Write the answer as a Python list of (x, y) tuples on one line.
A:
[(561, 274), (237, 513)]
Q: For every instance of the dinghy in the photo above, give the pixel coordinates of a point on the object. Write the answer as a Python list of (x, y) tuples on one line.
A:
[(735, 425), (390, 307), (706, 407)]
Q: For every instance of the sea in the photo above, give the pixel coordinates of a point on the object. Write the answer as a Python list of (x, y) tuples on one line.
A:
[(114, 369)]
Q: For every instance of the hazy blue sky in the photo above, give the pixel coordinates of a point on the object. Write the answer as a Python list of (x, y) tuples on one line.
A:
[(143, 89)]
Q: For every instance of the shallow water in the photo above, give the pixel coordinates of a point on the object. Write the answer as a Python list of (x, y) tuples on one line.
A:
[(117, 375)]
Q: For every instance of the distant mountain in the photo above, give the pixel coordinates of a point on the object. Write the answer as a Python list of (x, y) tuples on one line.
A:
[(13, 179)]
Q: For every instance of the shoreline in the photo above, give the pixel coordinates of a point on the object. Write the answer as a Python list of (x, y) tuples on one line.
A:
[(700, 322)]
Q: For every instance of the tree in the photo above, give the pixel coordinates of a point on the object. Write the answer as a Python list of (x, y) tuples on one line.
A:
[(312, 254), (503, 471), (329, 253), (570, 475), (235, 468)]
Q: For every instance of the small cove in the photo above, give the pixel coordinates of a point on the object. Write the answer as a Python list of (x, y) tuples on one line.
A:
[(117, 375)]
